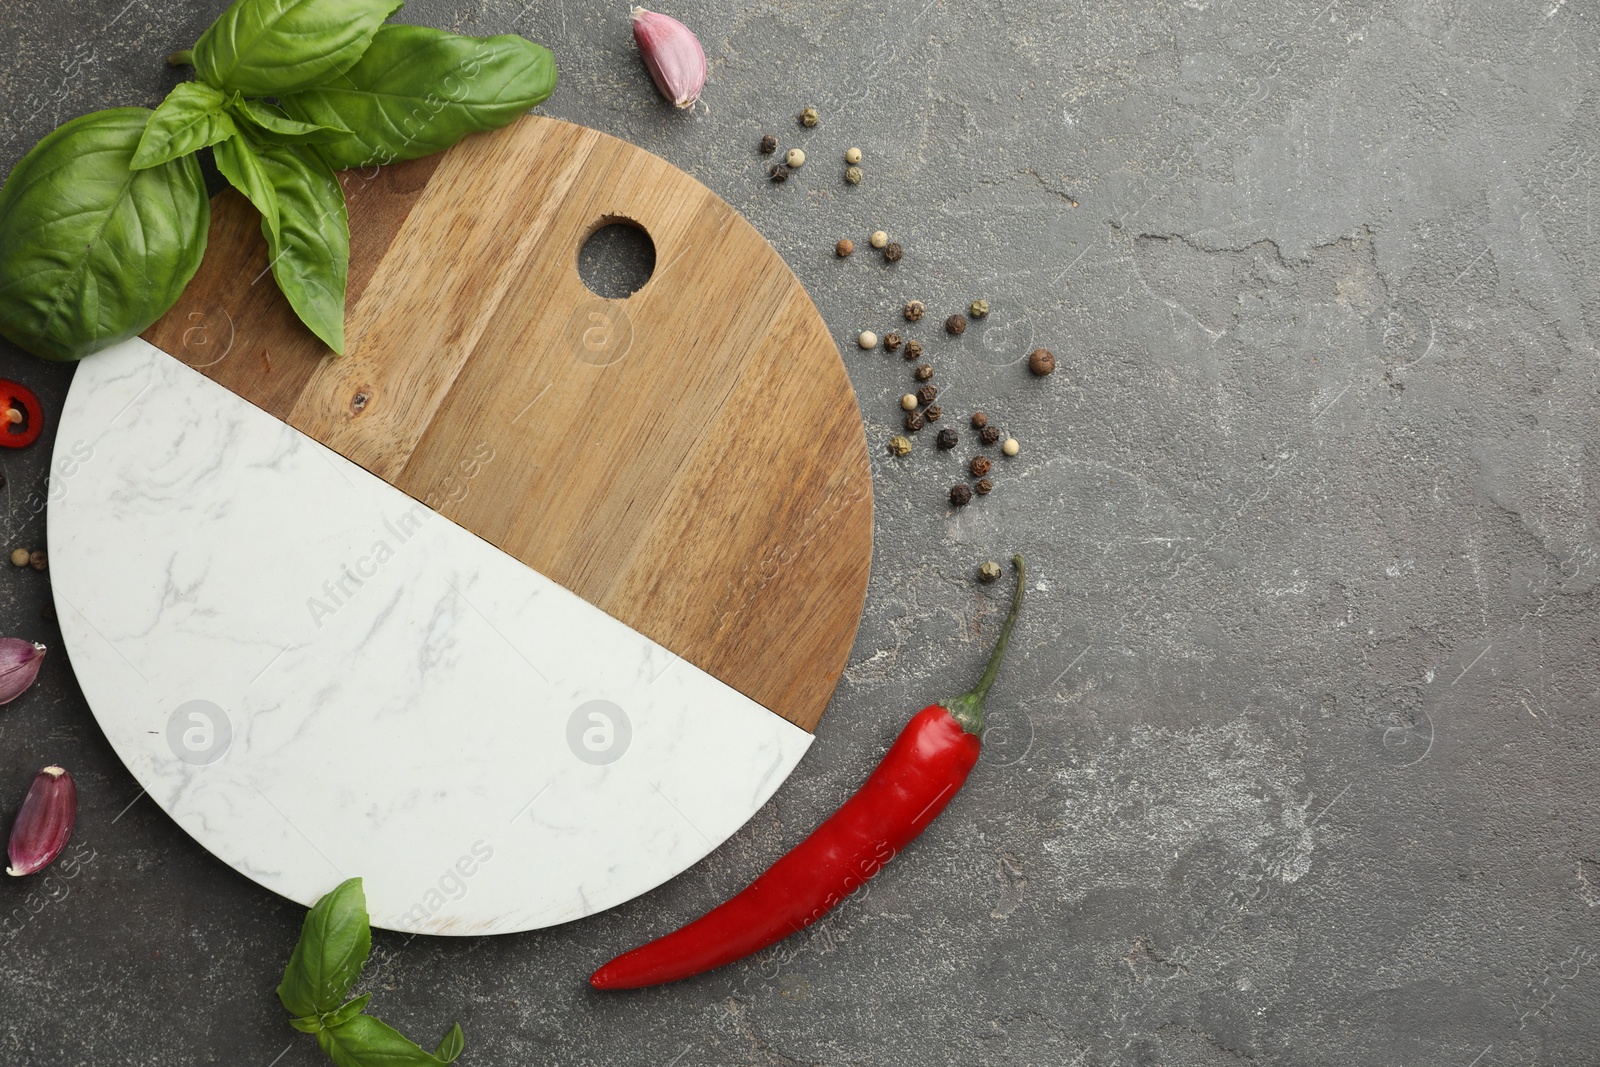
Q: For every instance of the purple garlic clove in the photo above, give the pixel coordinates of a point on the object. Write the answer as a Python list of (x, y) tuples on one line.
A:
[(19, 666), (672, 52), (44, 825)]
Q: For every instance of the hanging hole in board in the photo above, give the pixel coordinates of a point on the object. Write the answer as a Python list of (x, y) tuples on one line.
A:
[(617, 259)]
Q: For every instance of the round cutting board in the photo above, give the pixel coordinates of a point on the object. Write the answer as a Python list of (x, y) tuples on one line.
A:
[(515, 610)]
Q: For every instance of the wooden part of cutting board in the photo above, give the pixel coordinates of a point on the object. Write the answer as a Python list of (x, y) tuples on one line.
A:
[(690, 459)]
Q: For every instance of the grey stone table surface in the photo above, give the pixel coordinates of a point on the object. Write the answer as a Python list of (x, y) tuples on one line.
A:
[(1294, 763)]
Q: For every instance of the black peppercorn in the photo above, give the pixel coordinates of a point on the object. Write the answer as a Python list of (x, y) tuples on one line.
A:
[(893, 253), (948, 438), (923, 372), (1041, 361), (913, 421), (960, 495), (956, 324), (979, 420), (914, 310), (983, 487), (769, 145), (989, 435), (933, 412), (779, 172), (979, 466), (927, 394), (913, 349), (891, 342)]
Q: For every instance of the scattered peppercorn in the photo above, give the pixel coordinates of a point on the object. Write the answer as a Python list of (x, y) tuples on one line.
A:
[(844, 247), (809, 117), (979, 420), (914, 420), (960, 495), (778, 172), (956, 324), (913, 349), (894, 253), (979, 466), (979, 309), (19, 557), (928, 394), (982, 486), (867, 339), (988, 572), (891, 342), (38, 560), (900, 446), (933, 412), (1041, 362), (989, 434), (852, 155), (1011, 447), (907, 403), (915, 310), (769, 145), (878, 239), (948, 439), (794, 158), (923, 372), (852, 175)]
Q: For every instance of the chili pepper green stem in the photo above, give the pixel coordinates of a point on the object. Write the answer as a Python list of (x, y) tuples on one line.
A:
[(184, 58), (967, 709)]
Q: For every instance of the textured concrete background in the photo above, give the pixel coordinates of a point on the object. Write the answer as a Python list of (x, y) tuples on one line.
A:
[(1294, 762)]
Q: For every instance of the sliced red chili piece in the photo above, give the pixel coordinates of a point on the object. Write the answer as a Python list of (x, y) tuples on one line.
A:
[(21, 418)]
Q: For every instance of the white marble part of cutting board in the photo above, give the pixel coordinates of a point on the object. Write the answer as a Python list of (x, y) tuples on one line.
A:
[(318, 677)]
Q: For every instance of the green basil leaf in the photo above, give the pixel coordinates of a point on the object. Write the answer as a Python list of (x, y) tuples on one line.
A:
[(368, 1042), (307, 1024), (91, 253), (271, 125), (418, 91), (189, 119), (334, 942), (240, 163), (311, 254), (451, 1046), (270, 47)]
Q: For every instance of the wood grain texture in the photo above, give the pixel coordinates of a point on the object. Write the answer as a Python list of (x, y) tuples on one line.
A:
[(691, 459)]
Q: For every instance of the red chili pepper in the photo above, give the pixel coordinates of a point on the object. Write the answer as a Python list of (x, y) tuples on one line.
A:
[(21, 419), (922, 771)]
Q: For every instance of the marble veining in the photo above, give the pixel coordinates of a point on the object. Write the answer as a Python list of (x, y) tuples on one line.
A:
[(319, 677)]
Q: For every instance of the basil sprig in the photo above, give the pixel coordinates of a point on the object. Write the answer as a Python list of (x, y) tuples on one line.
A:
[(273, 47), (92, 251), (418, 91), (104, 222), (335, 941)]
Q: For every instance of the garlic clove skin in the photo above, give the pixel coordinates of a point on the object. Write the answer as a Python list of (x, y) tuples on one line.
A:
[(44, 825), (19, 666), (673, 54)]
